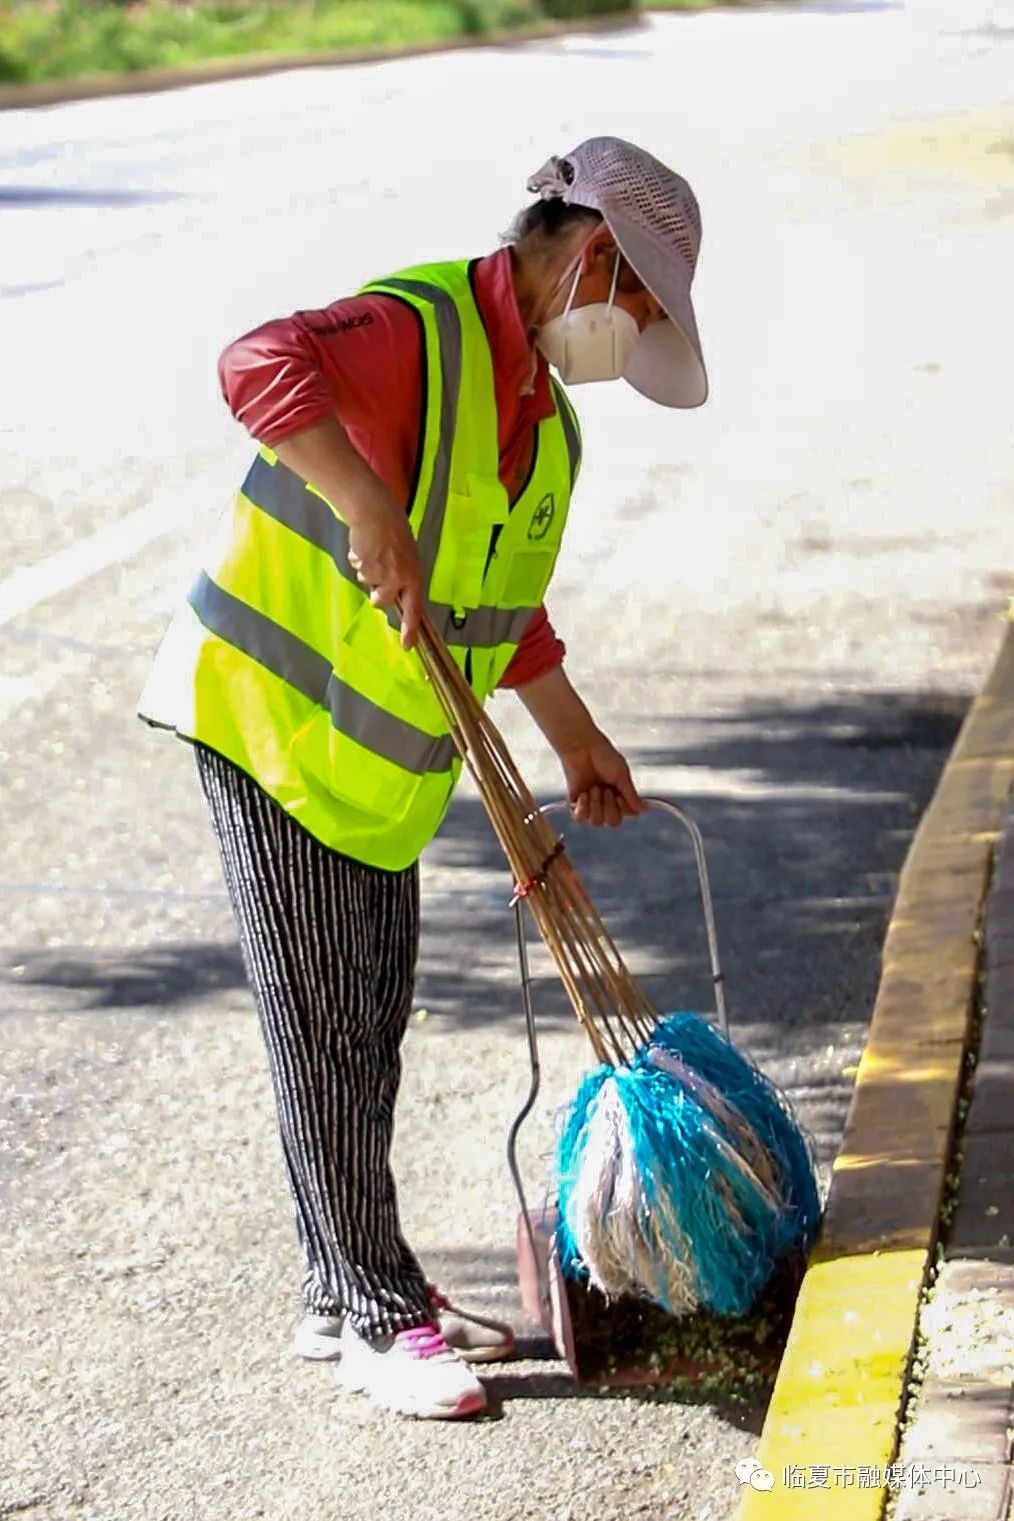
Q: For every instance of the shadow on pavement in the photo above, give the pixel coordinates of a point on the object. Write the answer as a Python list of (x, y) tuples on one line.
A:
[(844, 7), (66, 195), (157, 977), (503, 1388), (806, 810)]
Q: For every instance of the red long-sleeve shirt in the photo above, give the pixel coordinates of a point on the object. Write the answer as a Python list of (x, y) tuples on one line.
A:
[(360, 360)]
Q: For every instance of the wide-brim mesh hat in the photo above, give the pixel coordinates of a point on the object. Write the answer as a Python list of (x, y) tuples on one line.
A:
[(654, 217)]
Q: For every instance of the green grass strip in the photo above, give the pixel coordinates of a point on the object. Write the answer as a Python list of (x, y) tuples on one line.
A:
[(79, 38)]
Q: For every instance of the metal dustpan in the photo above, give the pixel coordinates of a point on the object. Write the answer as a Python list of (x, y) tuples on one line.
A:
[(548, 1297)]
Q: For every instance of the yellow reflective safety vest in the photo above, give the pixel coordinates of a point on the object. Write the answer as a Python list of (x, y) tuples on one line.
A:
[(278, 660)]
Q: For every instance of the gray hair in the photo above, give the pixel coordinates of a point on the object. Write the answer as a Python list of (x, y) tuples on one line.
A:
[(547, 218)]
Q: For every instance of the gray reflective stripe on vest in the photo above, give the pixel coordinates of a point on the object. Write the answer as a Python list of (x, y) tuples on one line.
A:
[(570, 432), (287, 656), (481, 628), (449, 332), (281, 494)]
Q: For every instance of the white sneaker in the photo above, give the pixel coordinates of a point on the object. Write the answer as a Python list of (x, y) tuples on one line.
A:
[(476, 1338), (413, 1372), (319, 1337)]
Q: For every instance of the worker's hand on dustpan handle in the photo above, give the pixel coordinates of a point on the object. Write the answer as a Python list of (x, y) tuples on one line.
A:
[(600, 788)]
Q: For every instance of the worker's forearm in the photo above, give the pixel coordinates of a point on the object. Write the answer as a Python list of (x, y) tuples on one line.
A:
[(558, 710), (323, 454), (382, 552)]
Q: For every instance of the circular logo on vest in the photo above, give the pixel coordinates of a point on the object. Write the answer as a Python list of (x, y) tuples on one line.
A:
[(542, 517)]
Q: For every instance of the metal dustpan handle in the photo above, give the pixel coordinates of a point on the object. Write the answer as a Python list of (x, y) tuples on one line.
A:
[(682, 817), (718, 981), (526, 1108)]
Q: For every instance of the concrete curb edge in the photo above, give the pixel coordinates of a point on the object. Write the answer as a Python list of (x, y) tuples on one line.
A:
[(839, 1394)]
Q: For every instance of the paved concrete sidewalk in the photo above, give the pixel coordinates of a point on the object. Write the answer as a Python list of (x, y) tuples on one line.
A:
[(956, 1459)]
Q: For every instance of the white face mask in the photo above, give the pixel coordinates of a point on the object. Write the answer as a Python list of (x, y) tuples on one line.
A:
[(592, 343)]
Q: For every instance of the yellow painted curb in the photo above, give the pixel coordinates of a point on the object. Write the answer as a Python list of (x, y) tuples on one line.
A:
[(831, 1429), (53, 92), (836, 1401)]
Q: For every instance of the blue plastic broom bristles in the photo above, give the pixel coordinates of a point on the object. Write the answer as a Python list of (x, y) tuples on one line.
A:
[(728, 1223)]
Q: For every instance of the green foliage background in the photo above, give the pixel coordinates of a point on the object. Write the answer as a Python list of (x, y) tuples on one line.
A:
[(74, 39)]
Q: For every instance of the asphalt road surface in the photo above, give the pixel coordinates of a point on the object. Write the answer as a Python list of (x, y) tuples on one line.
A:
[(777, 606)]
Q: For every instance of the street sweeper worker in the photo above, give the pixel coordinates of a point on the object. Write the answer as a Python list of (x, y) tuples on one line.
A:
[(416, 452)]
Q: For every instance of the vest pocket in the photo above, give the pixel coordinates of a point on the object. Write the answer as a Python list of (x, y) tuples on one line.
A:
[(350, 774), (460, 563), (527, 575)]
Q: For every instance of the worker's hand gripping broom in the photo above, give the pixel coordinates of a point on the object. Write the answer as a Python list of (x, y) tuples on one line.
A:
[(683, 1176)]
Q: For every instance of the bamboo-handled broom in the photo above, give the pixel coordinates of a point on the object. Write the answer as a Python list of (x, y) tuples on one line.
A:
[(683, 1176)]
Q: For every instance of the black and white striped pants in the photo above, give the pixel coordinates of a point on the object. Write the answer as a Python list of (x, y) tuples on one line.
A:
[(330, 948)]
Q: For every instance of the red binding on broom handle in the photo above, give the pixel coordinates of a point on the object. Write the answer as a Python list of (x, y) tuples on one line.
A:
[(704, 884), (525, 889)]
